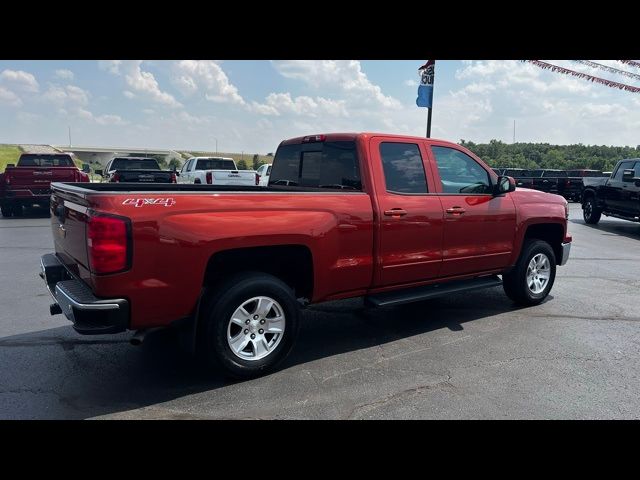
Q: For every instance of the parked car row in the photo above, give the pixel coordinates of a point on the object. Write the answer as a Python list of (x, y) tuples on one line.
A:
[(568, 183)]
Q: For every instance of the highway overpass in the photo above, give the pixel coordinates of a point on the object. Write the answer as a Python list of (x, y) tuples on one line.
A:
[(103, 154)]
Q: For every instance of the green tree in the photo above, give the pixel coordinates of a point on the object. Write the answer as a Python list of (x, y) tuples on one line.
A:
[(242, 164), (174, 162), (256, 161)]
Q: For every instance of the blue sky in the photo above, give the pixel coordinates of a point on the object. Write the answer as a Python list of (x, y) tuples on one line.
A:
[(251, 105)]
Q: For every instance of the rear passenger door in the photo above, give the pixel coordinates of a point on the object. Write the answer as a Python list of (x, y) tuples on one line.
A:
[(410, 224), (479, 228)]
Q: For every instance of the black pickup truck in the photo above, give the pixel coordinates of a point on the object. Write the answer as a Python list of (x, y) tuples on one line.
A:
[(575, 182), (615, 196), (136, 169)]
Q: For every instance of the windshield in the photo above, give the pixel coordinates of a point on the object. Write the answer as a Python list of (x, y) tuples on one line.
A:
[(135, 164), (35, 160), (215, 164), (321, 165)]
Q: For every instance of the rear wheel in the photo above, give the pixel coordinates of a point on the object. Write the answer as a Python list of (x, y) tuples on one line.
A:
[(249, 325), (590, 211), (532, 278)]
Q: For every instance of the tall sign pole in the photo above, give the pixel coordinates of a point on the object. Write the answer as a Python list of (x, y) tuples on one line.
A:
[(425, 90)]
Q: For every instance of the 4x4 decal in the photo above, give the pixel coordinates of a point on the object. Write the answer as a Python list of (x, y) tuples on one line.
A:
[(139, 202)]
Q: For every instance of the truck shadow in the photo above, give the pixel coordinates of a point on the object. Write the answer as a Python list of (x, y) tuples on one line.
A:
[(56, 373), (614, 227)]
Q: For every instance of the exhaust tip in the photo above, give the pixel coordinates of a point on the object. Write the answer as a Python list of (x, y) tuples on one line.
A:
[(55, 309), (138, 337)]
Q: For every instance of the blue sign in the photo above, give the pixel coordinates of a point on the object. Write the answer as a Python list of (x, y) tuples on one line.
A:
[(425, 96)]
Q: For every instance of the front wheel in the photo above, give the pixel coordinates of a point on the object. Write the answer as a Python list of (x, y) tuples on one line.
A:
[(7, 209), (531, 279), (249, 325), (590, 211)]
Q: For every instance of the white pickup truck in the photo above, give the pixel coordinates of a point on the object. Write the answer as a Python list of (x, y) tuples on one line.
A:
[(216, 171)]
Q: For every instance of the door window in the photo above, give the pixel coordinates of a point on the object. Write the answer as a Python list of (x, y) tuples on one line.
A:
[(459, 173), (621, 168), (403, 168)]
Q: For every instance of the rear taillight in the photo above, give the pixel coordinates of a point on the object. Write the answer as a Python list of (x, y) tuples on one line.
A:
[(116, 177), (209, 178), (173, 178), (257, 179), (108, 244)]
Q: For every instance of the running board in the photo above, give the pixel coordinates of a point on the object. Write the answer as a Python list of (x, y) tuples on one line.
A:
[(622, 217), (431, 291)]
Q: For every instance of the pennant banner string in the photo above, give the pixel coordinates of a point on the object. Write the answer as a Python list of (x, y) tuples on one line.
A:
[(567, 71), (608, 69)]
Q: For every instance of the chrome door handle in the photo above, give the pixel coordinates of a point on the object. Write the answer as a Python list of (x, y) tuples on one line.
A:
[(455, 210), (395, 212)]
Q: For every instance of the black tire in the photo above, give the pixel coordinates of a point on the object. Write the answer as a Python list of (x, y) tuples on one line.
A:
[(590, 211), (17, 210), (7, 210), (515, 282), (217, 311)]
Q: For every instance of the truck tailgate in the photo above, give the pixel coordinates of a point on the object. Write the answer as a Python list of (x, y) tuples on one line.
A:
[(68, 224), (150, 176), (39, 176), (234, 177)]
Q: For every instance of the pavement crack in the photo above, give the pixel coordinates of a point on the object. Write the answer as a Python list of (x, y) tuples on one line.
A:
[(417, 390)]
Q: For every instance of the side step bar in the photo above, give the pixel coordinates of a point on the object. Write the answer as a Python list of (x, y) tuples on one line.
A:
[(431, 291), (622, 217)]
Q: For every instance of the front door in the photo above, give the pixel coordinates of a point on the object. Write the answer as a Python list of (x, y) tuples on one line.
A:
[(616, 191), (479, 228), (410, 223)]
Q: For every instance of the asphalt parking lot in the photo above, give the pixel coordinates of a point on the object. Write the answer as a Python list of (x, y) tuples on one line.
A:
[(473, 355)]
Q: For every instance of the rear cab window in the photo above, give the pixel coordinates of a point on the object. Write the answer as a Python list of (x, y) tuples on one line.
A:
[(35, 160), (332, 165), (215, 164), (134, 164)]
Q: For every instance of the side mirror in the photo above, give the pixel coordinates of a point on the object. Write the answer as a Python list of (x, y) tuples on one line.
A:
[(86, 168), (505, 185), (99, 172), (628, 174), (11, 164)]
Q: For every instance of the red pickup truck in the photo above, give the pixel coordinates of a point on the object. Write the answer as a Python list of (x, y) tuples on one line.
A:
[(29, 182), (389, 218)]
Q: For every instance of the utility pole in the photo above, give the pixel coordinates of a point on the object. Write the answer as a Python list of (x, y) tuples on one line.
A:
[(514, 131), (69, 127)]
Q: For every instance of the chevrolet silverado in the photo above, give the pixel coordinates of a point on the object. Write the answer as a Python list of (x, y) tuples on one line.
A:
[(390, 218)]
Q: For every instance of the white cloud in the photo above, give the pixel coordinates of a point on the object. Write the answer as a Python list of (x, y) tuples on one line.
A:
[(7, 97), (128, 94), (410, 83), (110, 120), (19, 80), (191, 76), (283, 103), (64, 74), (140, 81), (341, 75), (111, 66), (70, 96)]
